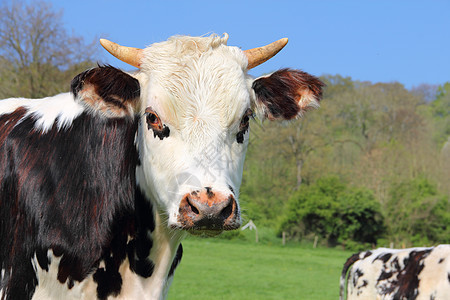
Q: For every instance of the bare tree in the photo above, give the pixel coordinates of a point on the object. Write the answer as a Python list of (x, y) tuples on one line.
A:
[(37, 54)]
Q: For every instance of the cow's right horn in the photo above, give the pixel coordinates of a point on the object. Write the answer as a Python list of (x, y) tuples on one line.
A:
[(257, 56), (130, 55)]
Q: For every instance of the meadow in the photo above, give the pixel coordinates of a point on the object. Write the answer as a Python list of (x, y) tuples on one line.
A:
[(232, 269)]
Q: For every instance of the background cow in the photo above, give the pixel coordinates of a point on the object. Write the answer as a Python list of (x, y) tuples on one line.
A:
[(91, 201), (415, 273)]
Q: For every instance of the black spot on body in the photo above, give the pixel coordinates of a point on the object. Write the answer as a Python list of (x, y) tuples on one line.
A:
[(358, 273), (176, 260), (42, 259), (108, 283), (408, 278), (384, 275), (364, 284), (70, 284), (441, 260), (240, 136), (138, 249), (384, 257)]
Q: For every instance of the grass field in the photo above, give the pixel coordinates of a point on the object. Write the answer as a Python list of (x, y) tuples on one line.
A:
[(223, 269)]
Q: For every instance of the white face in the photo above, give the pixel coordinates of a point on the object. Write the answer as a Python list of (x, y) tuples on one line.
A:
[(193, 135)]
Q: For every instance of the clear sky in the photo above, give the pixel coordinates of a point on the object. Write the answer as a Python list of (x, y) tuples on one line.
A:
[(377, 41)]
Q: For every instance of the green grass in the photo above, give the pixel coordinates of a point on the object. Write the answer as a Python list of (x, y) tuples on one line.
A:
[(223, 269)]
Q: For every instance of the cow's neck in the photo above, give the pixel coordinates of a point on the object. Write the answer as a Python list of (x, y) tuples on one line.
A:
[(163, 254), (157, 251)]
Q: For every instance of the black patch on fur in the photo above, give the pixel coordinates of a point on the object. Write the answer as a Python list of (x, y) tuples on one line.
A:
[(358, 273), (176, 260), (350, 261), (441, 260), (70, 284), (406, 281), (408, 278), (280, 92), (165, 132), (42, 259), (240, 136), (138, 249), (244, 125), (108, 283), (384, 257)]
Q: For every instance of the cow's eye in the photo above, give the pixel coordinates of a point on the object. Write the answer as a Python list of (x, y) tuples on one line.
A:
[(243, 126), (153, 120), (154, 123)]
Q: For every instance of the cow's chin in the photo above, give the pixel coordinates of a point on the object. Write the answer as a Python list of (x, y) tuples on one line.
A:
[(204, 233), (201, 232)]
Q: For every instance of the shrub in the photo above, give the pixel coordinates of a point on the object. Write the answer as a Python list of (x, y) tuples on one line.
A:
[(334, 211)]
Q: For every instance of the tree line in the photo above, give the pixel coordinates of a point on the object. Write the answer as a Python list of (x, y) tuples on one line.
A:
[(370, 167)]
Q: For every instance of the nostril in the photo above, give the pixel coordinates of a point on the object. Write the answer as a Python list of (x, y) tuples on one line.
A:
[(192, 206), (227, 211)]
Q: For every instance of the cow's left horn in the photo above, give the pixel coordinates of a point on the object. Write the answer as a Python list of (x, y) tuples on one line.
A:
[(130, 55), (257, 56)]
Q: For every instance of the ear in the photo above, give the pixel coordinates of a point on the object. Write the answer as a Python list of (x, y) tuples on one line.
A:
[(107, 91), (286, 94)]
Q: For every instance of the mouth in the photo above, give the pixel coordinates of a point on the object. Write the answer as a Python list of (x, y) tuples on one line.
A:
[(203, 231)]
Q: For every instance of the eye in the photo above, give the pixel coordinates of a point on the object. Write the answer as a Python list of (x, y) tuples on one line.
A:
[(153, 120)]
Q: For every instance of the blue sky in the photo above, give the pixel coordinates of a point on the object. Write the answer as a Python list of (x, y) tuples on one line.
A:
[(377, 41)]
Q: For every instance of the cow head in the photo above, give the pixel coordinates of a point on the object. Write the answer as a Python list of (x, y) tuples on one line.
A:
[(196, 103)]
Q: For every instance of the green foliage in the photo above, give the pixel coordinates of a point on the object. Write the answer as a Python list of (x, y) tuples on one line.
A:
[(416, 212), (332, 210), (374, 137), (360, 218), (440, 111)]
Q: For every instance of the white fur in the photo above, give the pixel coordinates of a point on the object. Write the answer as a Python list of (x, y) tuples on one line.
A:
[(50, 288), (46, 110)]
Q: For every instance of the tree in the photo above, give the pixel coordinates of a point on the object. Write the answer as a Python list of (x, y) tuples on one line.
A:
[(418, 213), (335, 211), (37, 56)]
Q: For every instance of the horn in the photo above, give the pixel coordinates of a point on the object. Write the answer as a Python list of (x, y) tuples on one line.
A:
[(130, 55), (257, 56)]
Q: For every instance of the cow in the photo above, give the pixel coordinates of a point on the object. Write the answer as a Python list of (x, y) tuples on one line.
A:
[(99, 186), (414, 273)]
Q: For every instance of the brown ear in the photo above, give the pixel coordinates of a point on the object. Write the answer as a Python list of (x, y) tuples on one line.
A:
[(286, 94), (108, 91)]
